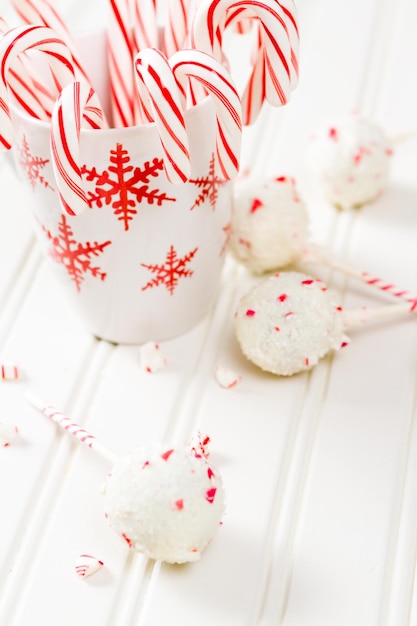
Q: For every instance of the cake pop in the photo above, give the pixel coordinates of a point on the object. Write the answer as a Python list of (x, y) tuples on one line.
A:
[(270, 232), (350, 160), (269, 224), (163, 501), (287, 322)]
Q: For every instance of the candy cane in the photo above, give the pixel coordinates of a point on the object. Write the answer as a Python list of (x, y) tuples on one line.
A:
[(254, 94), (145, 25), (22, 39), (74, 100), (161, 101), (279, 48), (177, 26), (121, 53), (43, 12), (216, 79), (26, 85)]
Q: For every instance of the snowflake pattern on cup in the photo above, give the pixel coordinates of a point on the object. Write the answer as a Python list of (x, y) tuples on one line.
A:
[(124, 186), (209, 186), (33, 165), (73, 255), (169, 273)]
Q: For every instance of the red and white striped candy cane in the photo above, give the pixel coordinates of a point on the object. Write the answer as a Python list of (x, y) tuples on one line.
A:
[(22, 39), (45, 13), (177, 26), (161, 101), (75, 100), (121, 51), (254, 93), (279, 41), (145, 24), (26, 85), (194, 64)]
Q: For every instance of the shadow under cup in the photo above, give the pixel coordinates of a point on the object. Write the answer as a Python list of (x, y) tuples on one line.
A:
[(143, 262)]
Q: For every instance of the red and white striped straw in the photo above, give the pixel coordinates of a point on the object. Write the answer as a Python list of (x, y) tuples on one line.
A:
[(315, 254), (22, 39), (70, 426), (279, 41), (197, 65), (389, 288), (161, 101), (121, 53), (76, 100), (26, 85), (44, 12)]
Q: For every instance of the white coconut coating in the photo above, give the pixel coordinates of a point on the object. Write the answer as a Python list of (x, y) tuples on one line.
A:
[(287, 322), (269, 227), (350, 160), (166, 503)]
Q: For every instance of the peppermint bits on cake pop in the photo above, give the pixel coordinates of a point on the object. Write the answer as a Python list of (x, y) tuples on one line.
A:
[(162, 501), (269, 226), (165, 502), (350, 160), (287, 322)]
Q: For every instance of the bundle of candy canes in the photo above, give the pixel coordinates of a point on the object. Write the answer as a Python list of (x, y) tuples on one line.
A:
[(156, 73)]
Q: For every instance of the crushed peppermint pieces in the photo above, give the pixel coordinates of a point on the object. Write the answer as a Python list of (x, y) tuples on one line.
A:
[(225, 377), (8, 433), (86, 565), (9, 371), (151, 358)]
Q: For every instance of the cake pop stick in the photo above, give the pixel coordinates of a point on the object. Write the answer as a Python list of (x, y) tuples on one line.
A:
[(270, 231), (315, 254), (164, 502), (288, 322), (72, 427)]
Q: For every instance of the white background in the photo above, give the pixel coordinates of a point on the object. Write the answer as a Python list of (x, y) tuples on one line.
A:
[(320, 469)]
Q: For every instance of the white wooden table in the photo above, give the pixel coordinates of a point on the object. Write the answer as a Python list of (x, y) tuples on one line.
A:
[(320, 469)]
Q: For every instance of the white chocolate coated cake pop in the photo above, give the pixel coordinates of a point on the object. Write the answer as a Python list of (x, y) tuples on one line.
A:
[(287, 322), (350, 160), (166, 503), (269, 226)]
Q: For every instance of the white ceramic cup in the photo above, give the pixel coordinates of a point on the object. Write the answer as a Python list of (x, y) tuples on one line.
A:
[(143, 263)]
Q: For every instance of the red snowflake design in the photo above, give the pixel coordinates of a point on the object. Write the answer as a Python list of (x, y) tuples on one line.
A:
[(123, 185), (171, 271), (209, 186), (227, 230), (76, 257), (33, 165)]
